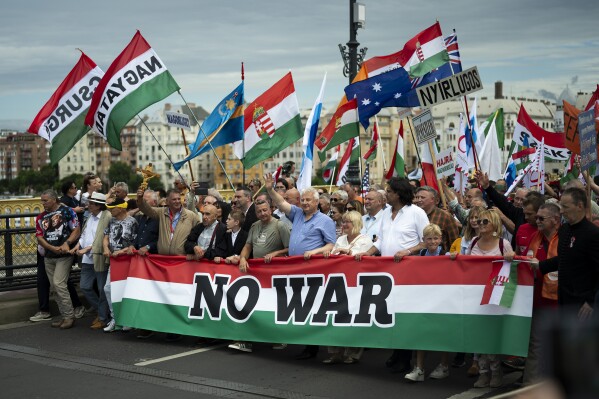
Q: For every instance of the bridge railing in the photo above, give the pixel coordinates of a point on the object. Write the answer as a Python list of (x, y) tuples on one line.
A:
[(18, 252)]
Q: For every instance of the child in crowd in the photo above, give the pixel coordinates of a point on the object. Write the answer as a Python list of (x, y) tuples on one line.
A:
[(432, 239), (235, 238)]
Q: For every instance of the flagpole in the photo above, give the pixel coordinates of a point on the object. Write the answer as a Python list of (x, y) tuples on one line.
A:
[(162, 148), (434, 159), (381, 143), (360, 168), (206, 137), (186, 153), (243, 140), (332, 177), (474, 154), (416, 146)]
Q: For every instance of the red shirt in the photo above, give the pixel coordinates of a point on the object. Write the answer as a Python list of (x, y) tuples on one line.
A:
[(523, 237)]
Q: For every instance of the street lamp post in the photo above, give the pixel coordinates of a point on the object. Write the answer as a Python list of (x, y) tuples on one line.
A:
[(351, 55)]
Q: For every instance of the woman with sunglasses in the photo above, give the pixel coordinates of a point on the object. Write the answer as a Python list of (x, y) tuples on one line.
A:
[(490, 242), (337, 211), (355, 205), (471, 229)]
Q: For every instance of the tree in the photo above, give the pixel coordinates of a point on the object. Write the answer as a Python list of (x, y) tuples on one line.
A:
[(317, 179), (119, 171)]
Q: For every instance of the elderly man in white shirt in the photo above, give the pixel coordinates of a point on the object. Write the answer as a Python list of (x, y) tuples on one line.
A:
[(371, 222), (400, 234)]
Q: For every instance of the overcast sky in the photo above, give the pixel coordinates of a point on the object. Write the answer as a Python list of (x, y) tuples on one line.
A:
[(535, 47)]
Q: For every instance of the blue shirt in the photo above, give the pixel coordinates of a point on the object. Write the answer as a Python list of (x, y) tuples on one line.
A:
[(311, 234)]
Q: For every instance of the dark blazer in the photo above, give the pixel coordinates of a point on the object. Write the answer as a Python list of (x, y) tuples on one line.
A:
[(147, 233), (226, 246), (212, 251), (250, 218)]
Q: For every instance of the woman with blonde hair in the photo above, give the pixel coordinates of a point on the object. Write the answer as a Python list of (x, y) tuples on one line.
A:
[(349, 243), (489, 242)]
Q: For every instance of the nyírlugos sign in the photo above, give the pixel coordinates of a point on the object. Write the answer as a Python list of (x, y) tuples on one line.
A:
[(428, 303)]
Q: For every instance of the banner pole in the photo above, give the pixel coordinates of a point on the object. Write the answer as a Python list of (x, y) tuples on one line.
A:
[(434, 158), (162, 148), (416, 147)]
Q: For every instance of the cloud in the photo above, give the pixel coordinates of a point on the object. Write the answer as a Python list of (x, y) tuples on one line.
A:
[(547, 94)]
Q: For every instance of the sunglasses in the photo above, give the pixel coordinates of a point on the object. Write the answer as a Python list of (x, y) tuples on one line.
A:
[(350, 209), (483, 221), (334, 199), (542, 218)]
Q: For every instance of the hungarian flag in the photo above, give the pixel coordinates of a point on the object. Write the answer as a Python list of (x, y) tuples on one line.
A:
[(426, 51), (351, 154), (374, 143), (61, 120), (271, 123), (136, 79), (501, 284), (397, 168), (342, 127), (329, 169)]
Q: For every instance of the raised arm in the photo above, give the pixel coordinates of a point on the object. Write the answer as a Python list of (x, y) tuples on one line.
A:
[(277, 198)]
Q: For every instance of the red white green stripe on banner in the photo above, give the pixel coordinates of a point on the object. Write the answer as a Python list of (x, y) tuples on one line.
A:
[(419, 303)]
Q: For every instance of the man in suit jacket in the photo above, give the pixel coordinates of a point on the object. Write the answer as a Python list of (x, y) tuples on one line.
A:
[(235, 237), (243, 202), (203, 238)]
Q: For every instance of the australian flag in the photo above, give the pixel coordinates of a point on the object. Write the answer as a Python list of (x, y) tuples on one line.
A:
[(375, 92), (390, 89)]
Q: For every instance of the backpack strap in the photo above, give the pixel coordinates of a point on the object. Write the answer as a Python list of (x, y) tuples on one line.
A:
[(501, 245), (473, 243)]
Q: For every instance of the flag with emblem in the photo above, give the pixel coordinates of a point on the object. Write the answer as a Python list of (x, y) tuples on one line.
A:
[(374, 143), (397, 168), (501, 284), (342, 127), (61, 120), (328, 171), (223, 126), (136, 79), (271, 123)]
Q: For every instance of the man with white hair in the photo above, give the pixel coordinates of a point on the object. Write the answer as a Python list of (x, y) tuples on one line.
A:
[(312, 233), (373, 203), (339, 196)]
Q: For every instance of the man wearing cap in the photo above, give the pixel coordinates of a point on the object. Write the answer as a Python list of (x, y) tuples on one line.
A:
[(175, 222), (119, 237), (57, 229), (93, 262)]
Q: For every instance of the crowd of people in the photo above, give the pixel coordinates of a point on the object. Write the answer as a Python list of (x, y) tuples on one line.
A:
[(557, 232)]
